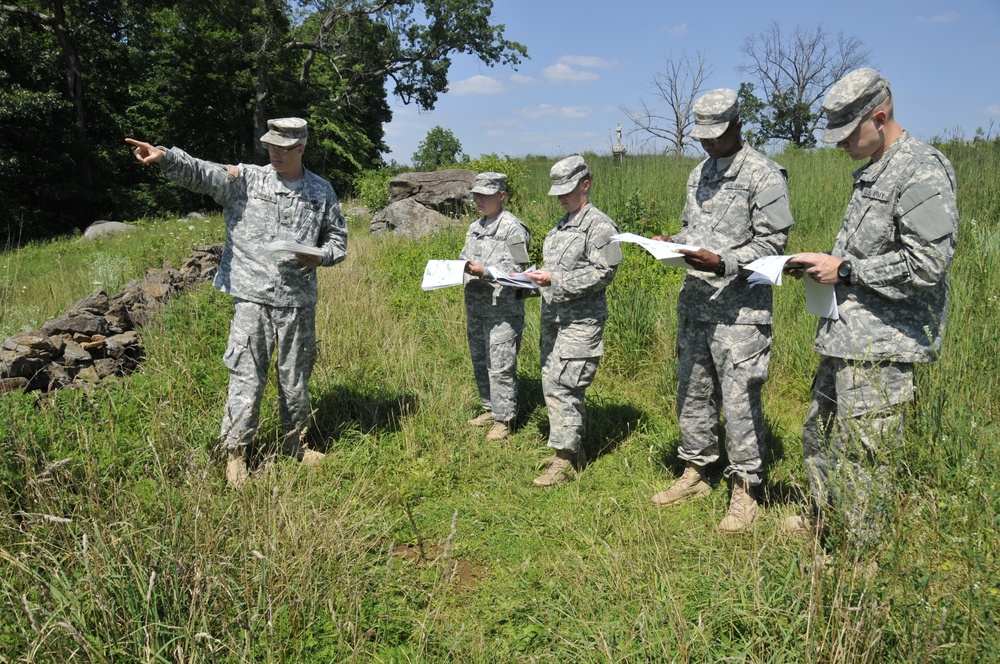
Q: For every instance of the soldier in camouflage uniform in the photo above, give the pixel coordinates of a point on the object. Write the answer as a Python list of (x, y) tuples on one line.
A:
[(580, 261), (736, 211), (274, 293), (890, 266), (494, 313)]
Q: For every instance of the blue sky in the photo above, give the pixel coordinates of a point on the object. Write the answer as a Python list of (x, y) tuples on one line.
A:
[(588, 59)]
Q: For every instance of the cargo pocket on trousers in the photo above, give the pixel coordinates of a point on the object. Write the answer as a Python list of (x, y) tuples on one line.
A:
[(579, 364), (751, 345), (233, 355)]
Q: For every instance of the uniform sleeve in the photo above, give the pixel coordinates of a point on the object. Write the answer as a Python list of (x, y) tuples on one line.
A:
[(222, 183), (770, 219), (680, 237), (926, 220), (596, 272), (333, 233)]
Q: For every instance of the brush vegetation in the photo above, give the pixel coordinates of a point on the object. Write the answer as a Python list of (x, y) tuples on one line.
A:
[(417, 541)]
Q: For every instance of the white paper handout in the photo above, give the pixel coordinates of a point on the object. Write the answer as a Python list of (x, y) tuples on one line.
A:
[(665, 252), (295, 248), (519, 281), (821, 299), (441, 274)]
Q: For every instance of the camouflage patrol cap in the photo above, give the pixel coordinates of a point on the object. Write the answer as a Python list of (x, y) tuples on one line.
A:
[(713, 111), (489, 183), (286, 132), (850, 100), (565, 173)]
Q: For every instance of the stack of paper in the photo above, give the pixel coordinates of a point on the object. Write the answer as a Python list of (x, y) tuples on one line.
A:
[(821, 299), (519, 281), (295, 248)]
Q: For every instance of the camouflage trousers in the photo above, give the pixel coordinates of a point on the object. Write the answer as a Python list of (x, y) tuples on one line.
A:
[(855, 419), (254, 334), (493, 346), (722, 367), (570, 353)]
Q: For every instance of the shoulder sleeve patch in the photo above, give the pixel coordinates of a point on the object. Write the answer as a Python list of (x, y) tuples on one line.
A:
[(923, 210), (770, 203), (518, 250), (233, 171), (612, 253)]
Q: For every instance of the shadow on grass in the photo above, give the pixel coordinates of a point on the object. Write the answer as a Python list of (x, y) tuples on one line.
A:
[(342, 409), (607, 424), (768, 494)]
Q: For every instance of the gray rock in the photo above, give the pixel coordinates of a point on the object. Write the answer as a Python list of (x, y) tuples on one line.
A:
[(445, 191), (100, 229), (410, 219)]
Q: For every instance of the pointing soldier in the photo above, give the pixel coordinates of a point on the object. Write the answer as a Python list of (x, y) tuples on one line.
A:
[(580, 262), (494, 313), (737, 211), (890, 266), (274, 293)]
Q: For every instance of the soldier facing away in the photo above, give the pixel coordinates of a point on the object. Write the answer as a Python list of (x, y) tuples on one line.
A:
[(736, 211), (274, 292), (494, 313), (890, 266)]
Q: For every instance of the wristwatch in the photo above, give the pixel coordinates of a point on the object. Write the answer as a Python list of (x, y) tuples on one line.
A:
[(720, 269), (844, 271)]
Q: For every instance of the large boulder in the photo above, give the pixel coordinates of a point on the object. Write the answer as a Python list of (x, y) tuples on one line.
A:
[(444, 191), (106, 228), (410, 219)]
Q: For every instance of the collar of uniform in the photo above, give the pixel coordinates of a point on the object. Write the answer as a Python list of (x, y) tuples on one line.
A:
[(574, 219), (871, 171), (491, 227), (734, 168)]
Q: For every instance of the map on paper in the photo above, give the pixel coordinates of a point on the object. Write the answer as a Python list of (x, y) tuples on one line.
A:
[(441, 274), (665, 252)]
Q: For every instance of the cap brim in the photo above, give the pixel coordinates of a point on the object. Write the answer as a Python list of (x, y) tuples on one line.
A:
[(565, 188), (839, 133), (701, 131), (488, 191), (270, 138)]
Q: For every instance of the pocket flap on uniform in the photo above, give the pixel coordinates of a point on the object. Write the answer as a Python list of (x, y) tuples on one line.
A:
[(581, 351), (749, 345)]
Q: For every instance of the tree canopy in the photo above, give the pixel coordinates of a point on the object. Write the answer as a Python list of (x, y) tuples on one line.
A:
[(77, 76), (439, 148)]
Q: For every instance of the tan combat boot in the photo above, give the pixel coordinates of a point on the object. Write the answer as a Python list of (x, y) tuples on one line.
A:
[(743, 509), (500, 430), (558, 471), (236, 467), (294, 446), (482, 420), (691, 484)]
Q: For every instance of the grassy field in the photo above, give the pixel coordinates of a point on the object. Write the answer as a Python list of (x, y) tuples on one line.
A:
[(416, 541)]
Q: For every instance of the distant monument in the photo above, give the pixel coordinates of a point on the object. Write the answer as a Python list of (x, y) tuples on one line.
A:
[(618, 150)]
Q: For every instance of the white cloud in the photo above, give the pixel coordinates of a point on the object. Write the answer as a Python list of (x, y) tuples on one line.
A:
[(678, 30), (940, 18), (993, 111), (548, 110), (521, 79), (476, 85), (591, 61), (563, 73)]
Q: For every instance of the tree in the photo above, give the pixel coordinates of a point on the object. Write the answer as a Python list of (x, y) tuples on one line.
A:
[(78, 75), (439, 148), (794, 72), (677, 86)]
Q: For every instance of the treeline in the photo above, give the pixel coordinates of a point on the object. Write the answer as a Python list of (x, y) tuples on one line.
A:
[(77, 76)]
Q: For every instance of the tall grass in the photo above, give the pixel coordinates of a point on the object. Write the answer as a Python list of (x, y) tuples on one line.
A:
[(415, 540)]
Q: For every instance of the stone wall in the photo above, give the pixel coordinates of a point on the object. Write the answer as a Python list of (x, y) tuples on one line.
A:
[(97, 337)]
